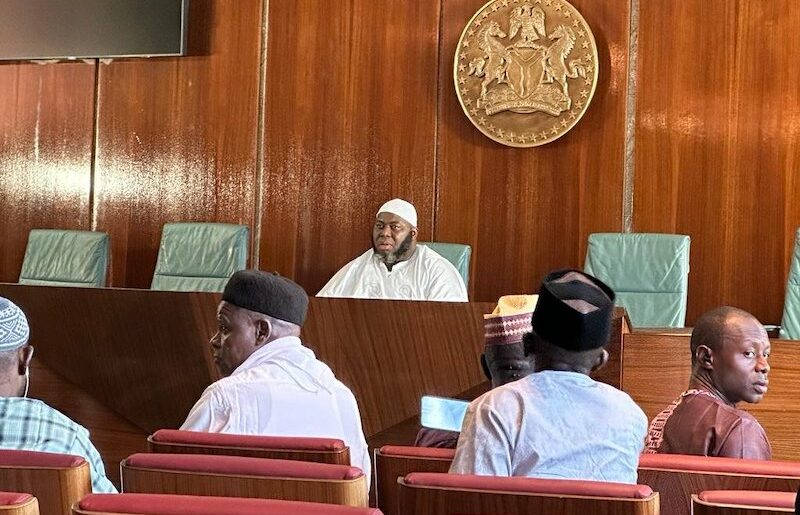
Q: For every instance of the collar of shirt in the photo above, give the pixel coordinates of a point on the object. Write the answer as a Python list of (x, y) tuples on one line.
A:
[(268, 351), (397, 266)]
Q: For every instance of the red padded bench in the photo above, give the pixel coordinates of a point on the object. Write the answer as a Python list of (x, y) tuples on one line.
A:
[(394, 461), (742, 502), (16, 503)]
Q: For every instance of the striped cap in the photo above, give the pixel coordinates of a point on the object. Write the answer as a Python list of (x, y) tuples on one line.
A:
[(510, 320)]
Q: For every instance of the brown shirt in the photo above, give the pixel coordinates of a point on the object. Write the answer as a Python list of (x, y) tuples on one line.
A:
[(436, 438), (700, 423)]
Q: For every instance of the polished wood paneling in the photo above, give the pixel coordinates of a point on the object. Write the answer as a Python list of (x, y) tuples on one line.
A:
[(392, 465), (176, 138), (46, 120), (350, 122), (717, 146), (56, 488), (528, 211), (656, 369)]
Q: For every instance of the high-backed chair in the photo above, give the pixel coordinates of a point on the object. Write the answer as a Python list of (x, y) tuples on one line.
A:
[(236, 476), (457, 253), (56, 257), (199, 256), (678, 476), (56, 480), (742, 502), (444, 494), (318, 450), (790, 324), (648, 272), (15, 503), (396, 461), (161, 504)]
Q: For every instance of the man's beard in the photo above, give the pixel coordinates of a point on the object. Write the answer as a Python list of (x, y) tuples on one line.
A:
[(391, 258)]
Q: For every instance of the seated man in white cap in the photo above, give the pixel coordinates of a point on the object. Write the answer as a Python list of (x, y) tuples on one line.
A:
[(558, 422), (272, 384), (30, 424), (503, 359), (396, 267)]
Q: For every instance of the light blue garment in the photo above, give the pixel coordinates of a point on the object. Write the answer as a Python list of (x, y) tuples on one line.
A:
[(32, 425), (556, 425)]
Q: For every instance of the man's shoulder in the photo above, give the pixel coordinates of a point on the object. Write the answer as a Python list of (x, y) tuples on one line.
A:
[(432, 259), (39, 411)]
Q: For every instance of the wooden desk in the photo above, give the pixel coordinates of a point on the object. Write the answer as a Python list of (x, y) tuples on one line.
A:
[(656, 368)]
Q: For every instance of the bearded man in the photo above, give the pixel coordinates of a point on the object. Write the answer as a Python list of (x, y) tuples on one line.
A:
[(396, 267)]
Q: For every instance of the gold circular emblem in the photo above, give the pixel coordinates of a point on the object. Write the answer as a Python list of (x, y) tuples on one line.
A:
[(525, 70)]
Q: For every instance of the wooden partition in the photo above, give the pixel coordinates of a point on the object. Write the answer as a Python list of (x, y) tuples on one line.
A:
[(656, 368)]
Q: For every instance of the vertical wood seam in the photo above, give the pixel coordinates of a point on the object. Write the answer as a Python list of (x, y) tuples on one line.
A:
[(255, 254), (629, 162), (437, 120), (93, 151)]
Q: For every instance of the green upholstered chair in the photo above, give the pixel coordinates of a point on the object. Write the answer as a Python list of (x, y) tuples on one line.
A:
[(199, 256), (57, 257), (790, 325), (457, 253), (648, 272)]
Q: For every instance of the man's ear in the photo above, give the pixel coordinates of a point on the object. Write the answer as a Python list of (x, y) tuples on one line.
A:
[(263, 331), (704, 357), (485, 367), (24, 354), (602, 359)]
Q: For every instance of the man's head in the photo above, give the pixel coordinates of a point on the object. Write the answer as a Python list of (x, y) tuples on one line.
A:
[(729, 354), (256, 308), (15, 353), (571, 323), (504, 358), (394, 235)]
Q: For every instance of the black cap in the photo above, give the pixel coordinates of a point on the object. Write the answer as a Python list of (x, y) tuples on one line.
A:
[(574, 310), (267, 293)]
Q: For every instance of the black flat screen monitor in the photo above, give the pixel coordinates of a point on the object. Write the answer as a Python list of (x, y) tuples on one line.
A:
[(67, 29)]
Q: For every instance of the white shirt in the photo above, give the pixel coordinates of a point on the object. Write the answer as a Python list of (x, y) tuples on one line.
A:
[(283, 390), (556, 425), (426, 275)]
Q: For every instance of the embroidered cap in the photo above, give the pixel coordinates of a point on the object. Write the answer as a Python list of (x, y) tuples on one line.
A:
[(401, 208), (267, 293), (510, 320), (574, 310), (14, 330)]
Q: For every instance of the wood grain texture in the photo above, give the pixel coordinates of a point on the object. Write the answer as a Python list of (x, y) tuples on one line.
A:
[(390, 467), (57, 489), (176, 137), (656, 369), (706, 508), (420, 500), (352, 492), (29, 507), (350, 122), (46, 120), (716, 144), (529, 211)]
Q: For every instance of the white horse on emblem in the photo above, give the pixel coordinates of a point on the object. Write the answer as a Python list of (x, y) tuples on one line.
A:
[(554, 61)]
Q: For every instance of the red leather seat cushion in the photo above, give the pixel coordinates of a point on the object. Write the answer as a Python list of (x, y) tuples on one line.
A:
[(12, 498), (530, 485), (238, 465), (685, 462), (418, 452), (162, 504), (15, 458), (749, 498), (253, 441)]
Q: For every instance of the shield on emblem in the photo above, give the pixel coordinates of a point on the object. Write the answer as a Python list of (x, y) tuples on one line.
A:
[(524, 70)]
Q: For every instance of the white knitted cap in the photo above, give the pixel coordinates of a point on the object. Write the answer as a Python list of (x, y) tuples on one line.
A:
[(401, 208)]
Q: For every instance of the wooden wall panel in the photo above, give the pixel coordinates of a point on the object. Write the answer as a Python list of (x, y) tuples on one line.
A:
[(350, 123), (528, 211), (177, 136), (46, 117), (717, 144)]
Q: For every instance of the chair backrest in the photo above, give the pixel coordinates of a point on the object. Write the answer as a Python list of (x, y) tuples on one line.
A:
[(648, 272), (439, 494), (742, 502), (396, 461), (318, 450), (15, 503), (57, 257), (456, 253), (199, 256), (56, 480), (676, 477), (163, 504), (236, 476), (790, 324)]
